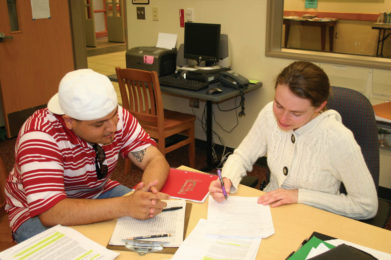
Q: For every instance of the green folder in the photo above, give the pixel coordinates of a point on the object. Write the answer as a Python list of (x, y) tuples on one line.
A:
[(303, 251)]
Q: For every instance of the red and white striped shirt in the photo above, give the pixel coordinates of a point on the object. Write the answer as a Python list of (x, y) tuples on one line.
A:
[(52, 163)]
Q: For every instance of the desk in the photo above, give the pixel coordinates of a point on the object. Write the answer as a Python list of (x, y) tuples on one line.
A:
[(383, 35), (227, 93), (292, 223), (323, 23)]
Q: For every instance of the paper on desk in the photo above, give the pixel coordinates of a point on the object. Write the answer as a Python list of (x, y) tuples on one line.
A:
[(200, 245), (376, 253), (58, 242), (166, 40), (241, 217), (315, 251), (171, 222)]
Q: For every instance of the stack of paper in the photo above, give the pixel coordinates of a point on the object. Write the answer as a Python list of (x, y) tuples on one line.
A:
[(58, 242), (234, 230)]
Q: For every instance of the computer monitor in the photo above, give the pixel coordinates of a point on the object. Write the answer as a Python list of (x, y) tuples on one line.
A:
[(202, 42)]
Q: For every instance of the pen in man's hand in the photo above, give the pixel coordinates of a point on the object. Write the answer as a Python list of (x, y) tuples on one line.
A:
[(171, 209), (222, 183), (148, 237)]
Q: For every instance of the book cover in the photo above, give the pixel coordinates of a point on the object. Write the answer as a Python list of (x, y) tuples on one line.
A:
[(188, 185)]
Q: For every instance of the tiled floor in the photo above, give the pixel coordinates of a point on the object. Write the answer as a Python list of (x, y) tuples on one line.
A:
[(106, 63)]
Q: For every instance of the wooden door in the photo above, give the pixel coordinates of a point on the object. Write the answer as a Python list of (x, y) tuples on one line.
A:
[(115, 20), (89, 23), (34, 56)]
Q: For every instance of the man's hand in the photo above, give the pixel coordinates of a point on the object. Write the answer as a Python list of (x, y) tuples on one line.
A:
[(279, 197), (216, 191), (146, 202)]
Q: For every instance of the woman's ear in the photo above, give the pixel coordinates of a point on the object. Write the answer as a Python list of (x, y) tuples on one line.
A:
[(68, 121), (322, 106)]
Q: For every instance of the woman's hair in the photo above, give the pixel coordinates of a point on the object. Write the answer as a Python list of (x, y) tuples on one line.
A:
[(306, 80)]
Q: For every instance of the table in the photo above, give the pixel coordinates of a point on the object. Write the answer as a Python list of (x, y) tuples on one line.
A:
[(292, 223), (202, 94), (383, 35), (323, 23)]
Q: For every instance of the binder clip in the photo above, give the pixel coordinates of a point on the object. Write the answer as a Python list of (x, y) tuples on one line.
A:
[(143, 247)]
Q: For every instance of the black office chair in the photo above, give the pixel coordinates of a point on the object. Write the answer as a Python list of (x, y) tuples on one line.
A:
[(358, 115)]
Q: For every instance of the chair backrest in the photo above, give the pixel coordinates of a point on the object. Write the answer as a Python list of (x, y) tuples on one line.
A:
[(141, 95), (358, 115)]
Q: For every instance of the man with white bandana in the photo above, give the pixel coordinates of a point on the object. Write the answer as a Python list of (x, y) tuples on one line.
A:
[(66, 153)]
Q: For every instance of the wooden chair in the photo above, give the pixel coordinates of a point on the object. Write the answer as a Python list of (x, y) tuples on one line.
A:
[(141, 95), (6, 239)]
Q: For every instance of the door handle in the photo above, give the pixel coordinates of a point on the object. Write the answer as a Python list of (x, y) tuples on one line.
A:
[(3, 36)]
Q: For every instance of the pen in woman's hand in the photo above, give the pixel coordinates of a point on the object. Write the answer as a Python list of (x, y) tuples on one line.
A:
[(222, 183)]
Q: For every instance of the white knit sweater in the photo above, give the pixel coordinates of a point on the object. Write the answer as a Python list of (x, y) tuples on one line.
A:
[(323, 154)]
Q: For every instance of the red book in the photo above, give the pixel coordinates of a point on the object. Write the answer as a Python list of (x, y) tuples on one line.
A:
[(188, 185)]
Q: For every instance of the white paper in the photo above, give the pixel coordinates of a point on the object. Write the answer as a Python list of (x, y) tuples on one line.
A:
[(373, 252), (200, 245), (58, 242), (241, 216), (171, 222), (166, 40), (322, 248), (40, 9)]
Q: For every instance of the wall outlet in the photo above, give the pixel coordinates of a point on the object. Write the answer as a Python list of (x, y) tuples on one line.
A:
[(155, 14), (189, 15), (140, 13)]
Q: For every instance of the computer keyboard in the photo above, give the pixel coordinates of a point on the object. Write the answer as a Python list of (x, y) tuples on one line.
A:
[(176, 82)]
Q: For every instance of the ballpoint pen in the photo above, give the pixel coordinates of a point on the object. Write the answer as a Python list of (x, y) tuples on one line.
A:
[(172, 208), (222, 183), (148, 237)]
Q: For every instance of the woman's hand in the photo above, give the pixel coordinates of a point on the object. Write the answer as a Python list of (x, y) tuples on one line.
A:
[(279, 197), (216, 191)]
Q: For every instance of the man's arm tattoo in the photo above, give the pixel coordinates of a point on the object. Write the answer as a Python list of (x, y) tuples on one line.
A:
[(139, 155)]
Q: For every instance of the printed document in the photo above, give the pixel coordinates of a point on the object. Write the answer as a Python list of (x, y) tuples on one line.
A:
[(233, 231), (58, 242), (200, 245), (240, 216), (168, 222)]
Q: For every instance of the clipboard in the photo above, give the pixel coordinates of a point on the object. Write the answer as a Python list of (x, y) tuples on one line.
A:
[(166, 250)]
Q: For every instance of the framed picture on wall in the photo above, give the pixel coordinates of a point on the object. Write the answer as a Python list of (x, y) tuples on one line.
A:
[(140, 2)]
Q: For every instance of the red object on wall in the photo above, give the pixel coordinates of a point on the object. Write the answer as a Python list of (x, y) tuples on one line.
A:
[(182, 17)]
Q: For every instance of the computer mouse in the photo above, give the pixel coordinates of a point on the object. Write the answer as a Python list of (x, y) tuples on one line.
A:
[(214, 90)]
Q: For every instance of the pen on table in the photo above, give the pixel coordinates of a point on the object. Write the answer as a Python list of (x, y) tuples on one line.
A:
[(148, 237), (222, 183), (172, 208)]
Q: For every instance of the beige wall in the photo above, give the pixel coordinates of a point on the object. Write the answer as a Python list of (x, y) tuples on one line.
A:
[(245, 23)]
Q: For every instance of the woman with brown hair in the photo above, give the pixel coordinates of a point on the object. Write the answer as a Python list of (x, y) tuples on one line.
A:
[(309, 151)]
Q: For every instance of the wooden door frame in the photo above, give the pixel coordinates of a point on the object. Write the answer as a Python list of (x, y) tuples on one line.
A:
[(78, 32)]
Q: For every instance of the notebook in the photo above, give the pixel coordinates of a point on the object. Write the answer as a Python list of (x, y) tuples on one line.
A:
[(188, 185)]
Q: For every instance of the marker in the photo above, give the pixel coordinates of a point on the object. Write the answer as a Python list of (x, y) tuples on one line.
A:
[(148, 237), (171, 209), (222, 183)]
